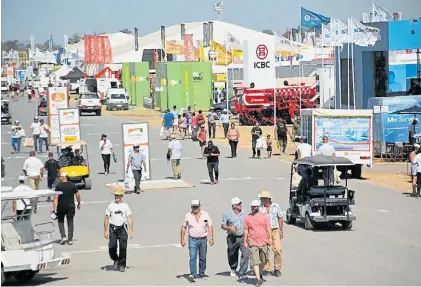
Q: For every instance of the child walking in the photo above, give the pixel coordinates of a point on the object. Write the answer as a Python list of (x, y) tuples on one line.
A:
[(269, 146)]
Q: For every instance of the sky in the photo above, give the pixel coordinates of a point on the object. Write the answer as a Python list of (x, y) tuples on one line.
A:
[(39, 18)]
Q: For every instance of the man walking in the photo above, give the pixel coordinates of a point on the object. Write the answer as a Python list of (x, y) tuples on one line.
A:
[(136, 161), (212, 153), (43, 136), (52, 167), (35, 132), (212, 116), (199, 226), (327, 149), (118, 226), (281, 135), (106, 148), (34, 170), (274, 212), (257, 237), (167, 123), (174, 150), (20, 209), (64, 206), (233, 223), (256, 133), (225, 122)]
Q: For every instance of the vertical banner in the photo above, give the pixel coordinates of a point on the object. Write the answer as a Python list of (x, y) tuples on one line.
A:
[(183, 31), (100, 47), (92, 46), (57, 99), (136, 134), (108, 52), (163, 42), (136, 39), (87, 49), (188, 48), (50, 42), (66, 42), (32, 43), (69, 122), (210, 28), (205, 35)]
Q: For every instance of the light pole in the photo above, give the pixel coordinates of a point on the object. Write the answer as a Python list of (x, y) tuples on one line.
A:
[(218, 7)]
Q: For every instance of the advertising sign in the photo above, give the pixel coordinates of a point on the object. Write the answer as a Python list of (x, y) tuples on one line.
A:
[(136, 134), (21, 75), (69, 125), (259, 63), (57, 99), (188, 48)]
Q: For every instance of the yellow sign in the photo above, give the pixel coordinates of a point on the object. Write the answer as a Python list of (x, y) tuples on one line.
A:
[(70, 138), (163, 82)]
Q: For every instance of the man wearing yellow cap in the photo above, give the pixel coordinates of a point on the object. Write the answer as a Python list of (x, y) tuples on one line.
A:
[(274, 212), (117, 217)]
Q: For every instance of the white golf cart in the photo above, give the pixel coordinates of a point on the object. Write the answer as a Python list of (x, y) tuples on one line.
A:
[(316, 204), (26, 249)]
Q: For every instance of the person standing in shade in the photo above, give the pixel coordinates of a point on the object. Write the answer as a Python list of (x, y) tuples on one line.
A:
[(256, 133), (175, 121), (106, 148), (280, 134), (212, 153), (136, 161), (64, 206), (52, 167), (225, 122), (17, 134), (233, 224), (212, 116), (167, 123), (118, 226), (20, 209), (33, 168), (327, 149), (274, 212), (233, 135), (257, 238), (43, 136), (174, 150), (35, 132), (199, 226)]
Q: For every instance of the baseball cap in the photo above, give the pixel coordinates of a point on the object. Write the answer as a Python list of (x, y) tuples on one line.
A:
[(417, 145), (17, 121), (63, 174), (35, 118), (195, 202), (255, 203), (235, 201), (136, 145), (21, 178)]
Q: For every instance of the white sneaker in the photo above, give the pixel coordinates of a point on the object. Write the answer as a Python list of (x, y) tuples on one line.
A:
[(233, 273), (105, 172)]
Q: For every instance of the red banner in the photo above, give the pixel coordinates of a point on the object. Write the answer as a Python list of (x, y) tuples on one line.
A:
[(108, 53), (188, 48), (87, 56), (98, 50)]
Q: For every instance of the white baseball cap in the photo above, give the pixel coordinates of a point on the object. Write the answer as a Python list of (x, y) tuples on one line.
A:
[(63, 174), (255, 203), (417, 145), (235, 201), (195, 202), (21, 178)]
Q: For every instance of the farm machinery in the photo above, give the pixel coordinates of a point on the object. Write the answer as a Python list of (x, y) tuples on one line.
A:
[(256, 105)]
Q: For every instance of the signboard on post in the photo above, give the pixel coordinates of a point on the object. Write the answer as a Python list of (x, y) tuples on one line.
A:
[(69, 125), (136, 134), (57, 99)]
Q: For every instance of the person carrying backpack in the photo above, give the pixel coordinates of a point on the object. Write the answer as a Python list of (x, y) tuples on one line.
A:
[(281, 131)]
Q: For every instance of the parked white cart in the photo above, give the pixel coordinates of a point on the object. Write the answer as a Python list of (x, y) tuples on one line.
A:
[(26, 248)]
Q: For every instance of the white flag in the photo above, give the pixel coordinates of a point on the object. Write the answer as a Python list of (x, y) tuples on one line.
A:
[(66, 42), (363, 35), (381, 14), (326, 34), (232, 42), (366, 18), (340, 33), (32, 43)]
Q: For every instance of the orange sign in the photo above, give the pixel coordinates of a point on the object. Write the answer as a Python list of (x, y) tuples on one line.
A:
[(57, 97)]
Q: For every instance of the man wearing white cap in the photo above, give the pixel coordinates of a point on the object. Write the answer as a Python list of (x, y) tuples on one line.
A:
[(137, 161), (199, 225), (35, 132), (274, 213), (257, 237), (233, 223), (22, 208)]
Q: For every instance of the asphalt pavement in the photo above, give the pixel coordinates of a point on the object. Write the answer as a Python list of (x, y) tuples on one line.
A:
[(383, 248)]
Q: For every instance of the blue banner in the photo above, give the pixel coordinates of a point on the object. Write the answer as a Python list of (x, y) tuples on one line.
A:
[(50, 42), (311, 20), (21, 75)]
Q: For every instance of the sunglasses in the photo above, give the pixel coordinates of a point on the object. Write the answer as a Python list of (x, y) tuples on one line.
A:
[(194, 207)]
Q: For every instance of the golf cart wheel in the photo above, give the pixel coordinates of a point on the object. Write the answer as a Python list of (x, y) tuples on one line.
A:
[(290, 218), (25, 276), (346, 225), (308, 223), (356, 171), (88, 183)]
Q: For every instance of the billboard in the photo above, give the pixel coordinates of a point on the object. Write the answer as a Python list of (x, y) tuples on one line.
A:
[(137, 133), (57, 99), (259, 63), (69, 125)]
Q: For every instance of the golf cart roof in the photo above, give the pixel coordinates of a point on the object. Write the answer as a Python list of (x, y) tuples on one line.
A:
[(322, 160), (72, 143), (15, 195)]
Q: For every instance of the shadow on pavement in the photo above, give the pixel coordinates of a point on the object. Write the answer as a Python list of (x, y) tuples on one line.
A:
[(39, 279)]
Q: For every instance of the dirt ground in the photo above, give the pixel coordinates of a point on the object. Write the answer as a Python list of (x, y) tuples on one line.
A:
[(388, 175)]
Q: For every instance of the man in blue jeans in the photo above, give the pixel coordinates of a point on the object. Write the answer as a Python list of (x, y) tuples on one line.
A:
[(167, 123), (199, 226)]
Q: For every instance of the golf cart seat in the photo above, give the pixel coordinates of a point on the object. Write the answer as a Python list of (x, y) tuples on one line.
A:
[(318, 191), (19, 235)]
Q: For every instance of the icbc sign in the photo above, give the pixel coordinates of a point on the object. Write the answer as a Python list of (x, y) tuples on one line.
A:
[(262, 54)]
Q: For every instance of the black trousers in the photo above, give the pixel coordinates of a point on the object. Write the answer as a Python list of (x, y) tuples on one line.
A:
[(213, 167), (283, 141), (69, 213), (233, 145), (137, 174), (23, 215), (118, 234), (235, 244), (106, 158), (212, 130), (225, 126), (253, 147)]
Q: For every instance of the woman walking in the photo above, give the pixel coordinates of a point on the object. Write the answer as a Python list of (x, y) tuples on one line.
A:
[(233, 135), (414, 166), (182, 123), (106, 148), (17, 134)]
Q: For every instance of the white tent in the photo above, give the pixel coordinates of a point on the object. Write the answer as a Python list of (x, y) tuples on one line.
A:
[(43, 57)]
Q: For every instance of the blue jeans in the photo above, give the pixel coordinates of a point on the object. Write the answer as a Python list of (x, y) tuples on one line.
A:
[(16, 144), (42, 140), (197, 246)]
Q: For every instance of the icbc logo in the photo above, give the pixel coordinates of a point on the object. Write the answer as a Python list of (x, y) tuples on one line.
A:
[(262, 53)]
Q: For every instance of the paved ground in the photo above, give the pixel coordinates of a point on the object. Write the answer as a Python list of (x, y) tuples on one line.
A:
[(384, 247)]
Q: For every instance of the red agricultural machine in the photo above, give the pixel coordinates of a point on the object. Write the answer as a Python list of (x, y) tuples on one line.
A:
[(256, 105)]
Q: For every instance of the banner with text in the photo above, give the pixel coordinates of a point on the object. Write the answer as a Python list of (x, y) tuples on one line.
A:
[(98, 50), (57, 99), (69, 125), (188, 48)]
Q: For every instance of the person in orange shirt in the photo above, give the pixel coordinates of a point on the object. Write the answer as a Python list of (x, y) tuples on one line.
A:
[(202, 136)]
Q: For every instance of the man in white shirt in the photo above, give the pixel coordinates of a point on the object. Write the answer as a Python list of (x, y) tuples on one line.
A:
[(35, 132), (417, 162), (303, 150), (33, 168), (43, 137), (327, 149), (22, 208), (174, 149), (106, 148)]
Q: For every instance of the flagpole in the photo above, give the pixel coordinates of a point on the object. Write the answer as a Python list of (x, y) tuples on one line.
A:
[(299, 60), (226, 67), (348, 67), (340, 76), (353, 70)]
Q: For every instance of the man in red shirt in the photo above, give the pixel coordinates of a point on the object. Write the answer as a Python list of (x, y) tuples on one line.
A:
[(202, 136), (257, 237)]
